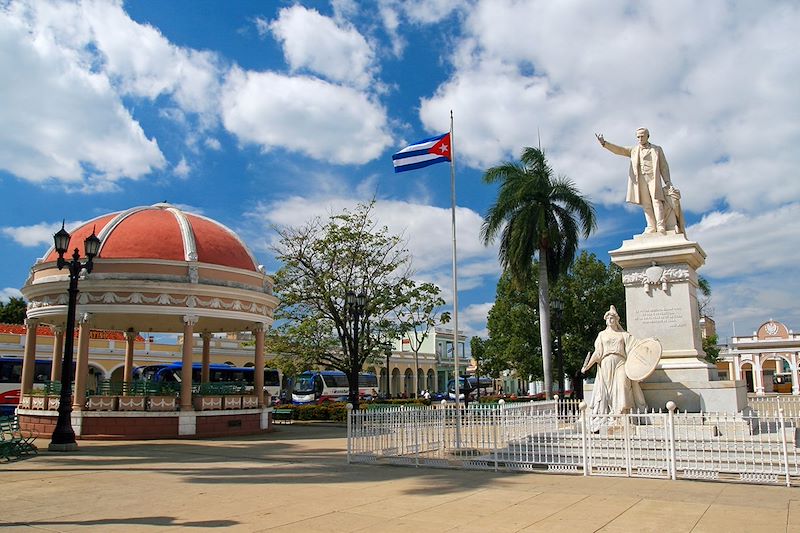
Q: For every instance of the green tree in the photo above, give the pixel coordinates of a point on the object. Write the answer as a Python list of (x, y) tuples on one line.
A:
[(323, 261), (704, 307), (477, 347), (587, 290), (536, 213), (13, 311), (417, 314), (513, 324)]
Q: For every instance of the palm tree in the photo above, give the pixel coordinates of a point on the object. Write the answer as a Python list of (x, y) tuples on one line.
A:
[(536, 212)]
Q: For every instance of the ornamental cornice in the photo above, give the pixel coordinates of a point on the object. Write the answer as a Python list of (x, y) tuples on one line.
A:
[(159, 299), (655, 276)]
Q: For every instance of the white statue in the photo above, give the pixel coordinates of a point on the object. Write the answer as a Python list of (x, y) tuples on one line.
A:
[(649, 183), (613, 392)]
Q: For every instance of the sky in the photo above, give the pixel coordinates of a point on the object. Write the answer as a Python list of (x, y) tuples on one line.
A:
[(259, 114)]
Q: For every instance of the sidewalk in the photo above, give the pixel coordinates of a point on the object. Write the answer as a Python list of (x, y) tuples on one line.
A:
[(296, 479)]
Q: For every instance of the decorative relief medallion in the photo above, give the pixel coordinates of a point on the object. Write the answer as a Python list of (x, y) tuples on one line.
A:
[(771, 328), (655, 276)]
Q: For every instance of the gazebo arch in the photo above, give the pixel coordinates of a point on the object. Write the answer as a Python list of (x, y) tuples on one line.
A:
[(159, 269)]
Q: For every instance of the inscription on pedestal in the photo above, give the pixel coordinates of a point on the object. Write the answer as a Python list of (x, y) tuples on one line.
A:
[(670, 317)]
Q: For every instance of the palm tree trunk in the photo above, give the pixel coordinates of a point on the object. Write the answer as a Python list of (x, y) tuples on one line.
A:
[(544, 324)]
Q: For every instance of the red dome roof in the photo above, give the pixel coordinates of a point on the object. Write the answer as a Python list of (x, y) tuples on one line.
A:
[(163, 232)]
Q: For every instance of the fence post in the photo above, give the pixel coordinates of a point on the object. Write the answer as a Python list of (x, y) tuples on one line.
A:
[(349, 431), (582, 408), (443, 426), (627, 433), (783, 444), (673, 474), (417, 427)]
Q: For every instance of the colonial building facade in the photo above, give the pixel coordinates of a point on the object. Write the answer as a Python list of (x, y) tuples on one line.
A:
[(767, 360)]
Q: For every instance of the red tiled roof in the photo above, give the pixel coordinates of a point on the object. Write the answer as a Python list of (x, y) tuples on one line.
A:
[(47, 331)]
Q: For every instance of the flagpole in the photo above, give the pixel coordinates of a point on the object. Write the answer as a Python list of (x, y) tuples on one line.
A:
[(455, 281)]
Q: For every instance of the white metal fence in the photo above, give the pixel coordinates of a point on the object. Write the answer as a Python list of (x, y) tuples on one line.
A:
[(757, 446)]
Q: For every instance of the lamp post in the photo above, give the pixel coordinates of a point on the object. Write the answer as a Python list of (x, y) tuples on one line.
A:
[(63, 439), (387, 347), (355, 306), (558, 310)]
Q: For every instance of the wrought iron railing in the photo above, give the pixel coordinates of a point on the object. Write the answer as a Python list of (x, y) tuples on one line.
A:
[(563, 436)]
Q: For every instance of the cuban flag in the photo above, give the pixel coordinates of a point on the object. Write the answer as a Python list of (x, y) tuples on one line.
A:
[(423, 153)]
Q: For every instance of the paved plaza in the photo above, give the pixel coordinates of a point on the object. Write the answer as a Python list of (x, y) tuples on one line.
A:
[(296, 479)]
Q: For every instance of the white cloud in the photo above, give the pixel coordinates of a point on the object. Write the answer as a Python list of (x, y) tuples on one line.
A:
[(50, 91), (751, 266), (8, 293), (182, 169), (306, 115), (715, 83), (426, 230), (317, 43), (472, 319), (148, 65), (262, 26), (36, 234), (737, 244), (212, 144)]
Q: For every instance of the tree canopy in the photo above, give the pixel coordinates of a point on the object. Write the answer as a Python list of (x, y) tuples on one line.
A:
[(13, 311), (587, 290), (323, 261)]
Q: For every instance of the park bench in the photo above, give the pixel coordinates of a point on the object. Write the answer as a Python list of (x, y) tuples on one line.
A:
[(284, 415), (14, 442)]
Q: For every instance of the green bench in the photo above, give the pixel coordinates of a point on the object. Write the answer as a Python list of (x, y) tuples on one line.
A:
[(14, 442), (284, 416)]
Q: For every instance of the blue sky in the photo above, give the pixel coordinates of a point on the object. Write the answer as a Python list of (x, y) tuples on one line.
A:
[(264, 113)]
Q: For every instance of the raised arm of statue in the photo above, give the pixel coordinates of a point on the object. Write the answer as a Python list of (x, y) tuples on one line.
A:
[(611, 147)]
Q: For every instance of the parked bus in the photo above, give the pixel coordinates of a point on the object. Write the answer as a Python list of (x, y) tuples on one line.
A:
[(172, 373), (469, 386), (320, 386), (11, 380)]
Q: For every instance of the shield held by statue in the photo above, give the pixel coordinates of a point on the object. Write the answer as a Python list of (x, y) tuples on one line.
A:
[(642, 359)]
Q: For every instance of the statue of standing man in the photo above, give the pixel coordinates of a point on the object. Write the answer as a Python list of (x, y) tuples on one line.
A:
[(649, 183)]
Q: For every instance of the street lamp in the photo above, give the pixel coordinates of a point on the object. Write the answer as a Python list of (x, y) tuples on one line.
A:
[(387, 347), (63, 439), (355, 306), (558, 310)]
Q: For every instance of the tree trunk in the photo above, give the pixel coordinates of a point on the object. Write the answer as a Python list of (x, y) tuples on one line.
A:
[(544, 324), (416, 375)]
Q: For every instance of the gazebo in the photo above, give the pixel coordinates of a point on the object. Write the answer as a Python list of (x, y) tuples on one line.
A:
[(159, 269)]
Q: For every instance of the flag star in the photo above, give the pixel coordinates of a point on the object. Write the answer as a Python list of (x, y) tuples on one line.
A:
[(443, 148)]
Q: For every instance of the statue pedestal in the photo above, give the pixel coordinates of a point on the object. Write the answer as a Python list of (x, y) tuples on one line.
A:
[(660, 277)]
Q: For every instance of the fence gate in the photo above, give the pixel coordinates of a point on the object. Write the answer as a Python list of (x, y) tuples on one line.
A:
[(629, 445)]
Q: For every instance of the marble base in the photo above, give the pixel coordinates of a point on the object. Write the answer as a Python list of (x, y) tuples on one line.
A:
[(693, 396)]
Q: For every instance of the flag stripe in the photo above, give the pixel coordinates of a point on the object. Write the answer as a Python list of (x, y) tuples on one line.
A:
[(419, 164), (414, 153)]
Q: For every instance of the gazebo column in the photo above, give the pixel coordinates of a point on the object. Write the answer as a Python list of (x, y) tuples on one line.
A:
[(82, 366), (795, 379), (189, 322), (29, 360), (258, 381), (205, 374), (127, 376), (58, 354)]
